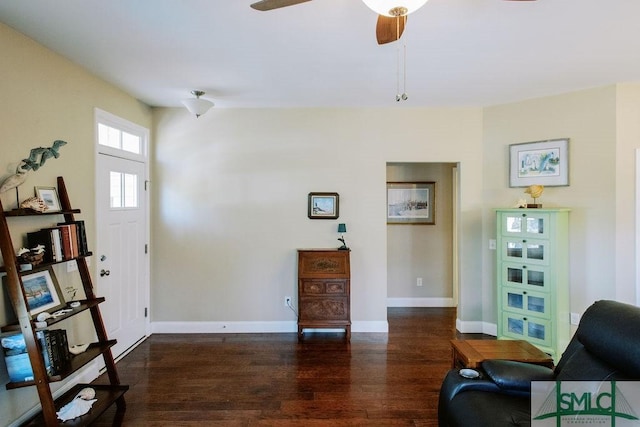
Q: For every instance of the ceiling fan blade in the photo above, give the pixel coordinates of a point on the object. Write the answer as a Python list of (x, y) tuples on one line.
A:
[(264, 5), (390, 28)]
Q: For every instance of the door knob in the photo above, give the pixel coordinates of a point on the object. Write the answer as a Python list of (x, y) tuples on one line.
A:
[(104, 272)]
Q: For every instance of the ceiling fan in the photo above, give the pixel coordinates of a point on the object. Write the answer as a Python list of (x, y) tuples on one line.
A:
[(392, 14)]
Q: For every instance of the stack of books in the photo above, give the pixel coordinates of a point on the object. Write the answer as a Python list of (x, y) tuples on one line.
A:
[(63, 242), (55, 352)]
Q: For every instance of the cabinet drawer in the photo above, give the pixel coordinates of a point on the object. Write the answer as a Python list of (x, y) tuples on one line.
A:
[(335, 308), (526, 303), (319, 264), (533, 329), (319, 287)]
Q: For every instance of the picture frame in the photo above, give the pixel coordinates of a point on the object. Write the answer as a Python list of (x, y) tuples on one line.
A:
[(323, 206), (42, 291), (539, 163), (411, 203), (50, 197)]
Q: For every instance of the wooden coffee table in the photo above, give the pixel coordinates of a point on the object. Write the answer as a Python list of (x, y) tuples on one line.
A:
[(469, 353)]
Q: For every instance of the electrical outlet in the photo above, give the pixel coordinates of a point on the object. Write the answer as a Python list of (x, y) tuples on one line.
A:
[(575, 318), (287, 301), (419, 281), (71, 266)]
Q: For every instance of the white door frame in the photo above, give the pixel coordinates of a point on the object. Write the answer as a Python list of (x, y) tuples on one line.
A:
[(637, 226), (101, 116)]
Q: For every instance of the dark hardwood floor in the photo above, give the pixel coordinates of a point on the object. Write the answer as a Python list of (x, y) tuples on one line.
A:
[(274, 380)]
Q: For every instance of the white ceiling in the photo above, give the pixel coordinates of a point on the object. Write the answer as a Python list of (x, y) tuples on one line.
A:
[(323, 53)]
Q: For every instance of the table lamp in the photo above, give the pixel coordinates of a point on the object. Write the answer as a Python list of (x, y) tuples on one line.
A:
[(342, 228)]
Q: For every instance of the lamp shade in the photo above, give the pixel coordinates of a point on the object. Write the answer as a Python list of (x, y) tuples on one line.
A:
[(394, 7), (197, 106), (342, 228)]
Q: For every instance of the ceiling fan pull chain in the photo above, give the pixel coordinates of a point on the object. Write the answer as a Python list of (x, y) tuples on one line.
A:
[(398, 97), (404, 77)]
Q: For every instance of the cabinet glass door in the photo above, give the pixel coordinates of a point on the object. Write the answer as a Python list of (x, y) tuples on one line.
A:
[(531, 276), (533, 329), (526, 302), (525, 224), (529, 251)]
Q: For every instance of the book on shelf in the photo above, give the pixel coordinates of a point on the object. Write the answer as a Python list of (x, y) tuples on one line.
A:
[(81, 235), (17, 359), (64, 242)]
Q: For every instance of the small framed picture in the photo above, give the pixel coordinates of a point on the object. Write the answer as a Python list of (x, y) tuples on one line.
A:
[(541, 162), (323, 205), (411, 203), (42, 291), (50, 197)]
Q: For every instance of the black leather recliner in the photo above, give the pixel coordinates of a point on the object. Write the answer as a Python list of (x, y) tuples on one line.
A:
[(606, 346)]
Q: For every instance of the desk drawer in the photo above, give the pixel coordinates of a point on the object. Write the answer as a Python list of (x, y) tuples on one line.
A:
[(325, 309), (319, 287)]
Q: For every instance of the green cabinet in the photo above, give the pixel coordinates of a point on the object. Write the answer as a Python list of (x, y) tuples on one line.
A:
[(533, 277)]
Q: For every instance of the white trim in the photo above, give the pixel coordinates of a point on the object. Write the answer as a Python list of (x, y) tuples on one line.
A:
[(370, 326), (420, 302), (252, 327), (637, 226), (101, 116), (477, 327)]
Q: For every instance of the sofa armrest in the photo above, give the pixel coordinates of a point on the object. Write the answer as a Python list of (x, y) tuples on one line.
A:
[(454, 383), (515, 376)]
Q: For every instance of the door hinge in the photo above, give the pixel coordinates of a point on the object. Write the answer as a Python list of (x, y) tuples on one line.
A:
[(146, 248), (146, 184), (146, 312)]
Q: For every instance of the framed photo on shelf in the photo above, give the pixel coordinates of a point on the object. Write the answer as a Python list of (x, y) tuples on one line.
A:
[(42, 291), (50, 197), (411, 203), (323, 206), (541, 162)]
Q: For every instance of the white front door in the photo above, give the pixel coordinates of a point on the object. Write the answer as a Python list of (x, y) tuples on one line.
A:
[(121, 249)]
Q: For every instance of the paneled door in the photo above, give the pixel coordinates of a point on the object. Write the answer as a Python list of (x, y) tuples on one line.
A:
[(122, 249)]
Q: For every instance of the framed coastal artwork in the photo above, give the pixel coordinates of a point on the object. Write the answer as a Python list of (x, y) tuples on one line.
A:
[(323, 205), (42, 291), (50, 197), (541, 162), (411, 203)]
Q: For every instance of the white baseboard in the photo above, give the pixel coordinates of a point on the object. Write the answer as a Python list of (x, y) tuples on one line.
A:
[(251, 327), (420, 302), (476, 327)]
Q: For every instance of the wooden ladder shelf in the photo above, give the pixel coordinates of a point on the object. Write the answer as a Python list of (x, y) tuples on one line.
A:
[(106, 394)]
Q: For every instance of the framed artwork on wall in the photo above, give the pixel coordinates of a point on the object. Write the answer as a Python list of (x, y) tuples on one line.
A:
[(323, 205), (411, 203), (541, 162)]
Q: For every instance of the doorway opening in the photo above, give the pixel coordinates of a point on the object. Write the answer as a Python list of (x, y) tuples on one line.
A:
[(422, 259)]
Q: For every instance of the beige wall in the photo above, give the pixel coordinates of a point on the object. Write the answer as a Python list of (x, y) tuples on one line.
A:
[(424, 251), (602, 125), (230, 203), (44, 98)]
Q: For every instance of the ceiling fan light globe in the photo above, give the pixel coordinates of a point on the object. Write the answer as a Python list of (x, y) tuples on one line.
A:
[(394, 7)]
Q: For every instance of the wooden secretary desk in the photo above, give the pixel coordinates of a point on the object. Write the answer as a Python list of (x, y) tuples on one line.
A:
[(324, 296)]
